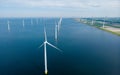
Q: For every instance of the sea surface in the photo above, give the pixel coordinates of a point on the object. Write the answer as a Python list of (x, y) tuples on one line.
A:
[(86, 50)]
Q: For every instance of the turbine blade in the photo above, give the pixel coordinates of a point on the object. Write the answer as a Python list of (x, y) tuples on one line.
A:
[(54, 47), (60, 20), (45, 34), (41, 45)]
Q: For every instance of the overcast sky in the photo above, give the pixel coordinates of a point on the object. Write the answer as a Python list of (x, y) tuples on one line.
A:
[(64, 8)]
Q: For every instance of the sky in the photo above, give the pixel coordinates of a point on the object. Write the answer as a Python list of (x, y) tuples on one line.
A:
[(59, 8)]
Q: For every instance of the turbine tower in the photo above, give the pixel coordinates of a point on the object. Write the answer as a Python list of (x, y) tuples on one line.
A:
[(37, 20), (31, 22), (23, 23), (104, 23), (45, 43), (8, 25), (59, 24), (56, 31), (92, 21)]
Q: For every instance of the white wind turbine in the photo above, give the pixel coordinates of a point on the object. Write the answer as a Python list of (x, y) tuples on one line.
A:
[(104, 23), (56, 31), (8, 25), (57, 28), (59, 24), (23, 23), (31, 22), (92, 21), (37, 20), (45, 50)]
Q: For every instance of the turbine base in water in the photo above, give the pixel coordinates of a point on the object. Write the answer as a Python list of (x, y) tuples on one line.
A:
[(46, 72)]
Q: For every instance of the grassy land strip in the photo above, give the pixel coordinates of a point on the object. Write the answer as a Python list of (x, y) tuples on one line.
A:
[(99, 27)]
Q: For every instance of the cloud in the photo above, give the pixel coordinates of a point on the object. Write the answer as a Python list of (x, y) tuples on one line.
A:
[(61, 3), (48, 3), (86, 7), (115, 4), (93, 4)]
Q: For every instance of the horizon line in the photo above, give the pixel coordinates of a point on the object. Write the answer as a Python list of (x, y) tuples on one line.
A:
[(58, 17)]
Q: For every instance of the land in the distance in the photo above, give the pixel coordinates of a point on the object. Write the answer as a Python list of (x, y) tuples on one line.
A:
[(111, 25)]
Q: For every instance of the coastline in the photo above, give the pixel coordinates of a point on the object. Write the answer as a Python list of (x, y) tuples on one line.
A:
[(101, 28)]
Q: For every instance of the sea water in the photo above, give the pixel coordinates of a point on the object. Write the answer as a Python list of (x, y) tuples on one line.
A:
[(86, 50)]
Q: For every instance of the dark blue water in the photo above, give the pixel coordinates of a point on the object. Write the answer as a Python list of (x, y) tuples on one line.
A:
[(86, 50)]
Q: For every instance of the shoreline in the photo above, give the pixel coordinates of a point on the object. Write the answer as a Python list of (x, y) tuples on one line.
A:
[(105, 29)]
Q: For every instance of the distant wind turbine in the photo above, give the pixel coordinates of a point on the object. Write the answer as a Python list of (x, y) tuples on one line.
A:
[(37, 21), (104, 23), (23, 23), (8, 26), (59, 24), (56, 31), (92, 21), (57, 28), (45, 50), (31, 22)]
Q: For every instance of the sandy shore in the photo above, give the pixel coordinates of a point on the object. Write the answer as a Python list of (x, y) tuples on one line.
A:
[(112, 29)]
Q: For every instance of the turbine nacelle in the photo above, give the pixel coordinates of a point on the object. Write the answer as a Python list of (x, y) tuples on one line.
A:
[(45, 42)]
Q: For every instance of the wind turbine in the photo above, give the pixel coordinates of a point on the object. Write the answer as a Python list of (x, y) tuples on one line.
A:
[(104, 23), (31, 22), (57, 28), (45, 43), (37, 20), (8, 25), (59, 24), (56, 31), (23, 23), (92, 21)]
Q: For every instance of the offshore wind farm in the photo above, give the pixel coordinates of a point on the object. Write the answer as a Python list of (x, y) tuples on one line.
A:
[(59, 37), (85, 49)]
